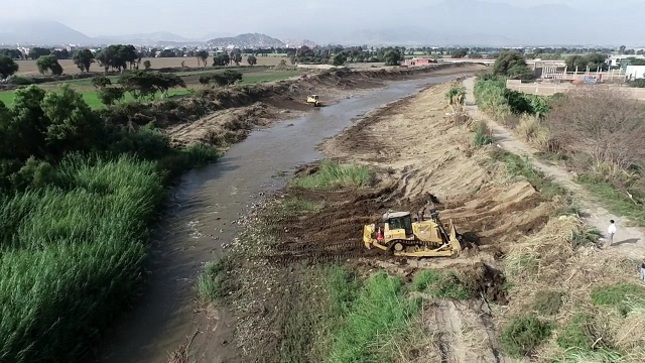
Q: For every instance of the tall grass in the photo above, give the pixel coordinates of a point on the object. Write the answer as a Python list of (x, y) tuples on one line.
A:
[(440, 284), (333, 175), (531, 130), (518, 166), (70, 255), (379, 310), (482, 134), (523, 334)]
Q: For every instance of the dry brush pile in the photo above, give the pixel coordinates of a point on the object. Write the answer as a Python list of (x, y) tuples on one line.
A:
[(567, 302)]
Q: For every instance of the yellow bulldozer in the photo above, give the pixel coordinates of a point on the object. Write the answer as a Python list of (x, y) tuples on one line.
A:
[(314, 100), (399, 235)]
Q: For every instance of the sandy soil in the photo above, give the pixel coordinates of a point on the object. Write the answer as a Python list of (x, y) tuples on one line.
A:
[(422, 150), (427, 154), (238, 113), (421, 153)]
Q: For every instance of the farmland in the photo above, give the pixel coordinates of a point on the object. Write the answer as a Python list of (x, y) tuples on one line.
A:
[(28, 67), (251, 75)]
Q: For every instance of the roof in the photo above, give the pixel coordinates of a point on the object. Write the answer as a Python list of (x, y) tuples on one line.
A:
[(395, 215)]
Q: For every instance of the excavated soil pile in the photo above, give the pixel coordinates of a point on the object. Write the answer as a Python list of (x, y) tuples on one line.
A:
[(430, 157), (206, 117)]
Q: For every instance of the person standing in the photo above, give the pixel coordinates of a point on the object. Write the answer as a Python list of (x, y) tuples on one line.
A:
[(611, 230), (643, 269)]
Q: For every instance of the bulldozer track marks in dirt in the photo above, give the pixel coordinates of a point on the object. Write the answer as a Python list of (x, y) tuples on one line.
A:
[(289, 253)]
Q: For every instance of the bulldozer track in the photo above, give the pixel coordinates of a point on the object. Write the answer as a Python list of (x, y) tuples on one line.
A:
[(302, 252), (288, 259), (316, 246)]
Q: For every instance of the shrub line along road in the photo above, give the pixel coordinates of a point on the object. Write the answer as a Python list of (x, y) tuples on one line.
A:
[(628, 241)]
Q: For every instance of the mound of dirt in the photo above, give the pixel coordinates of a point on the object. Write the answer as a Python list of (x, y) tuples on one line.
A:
[(277, 97), (418, 139)]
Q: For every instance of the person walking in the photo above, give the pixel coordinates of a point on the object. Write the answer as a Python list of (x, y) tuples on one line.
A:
[(643, 269), (611, 230)]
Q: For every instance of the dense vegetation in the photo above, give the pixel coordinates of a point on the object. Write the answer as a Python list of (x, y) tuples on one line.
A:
[(78, 195)]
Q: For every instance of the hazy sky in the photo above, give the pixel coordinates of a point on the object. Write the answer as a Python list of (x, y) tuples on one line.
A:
[(199, 17)]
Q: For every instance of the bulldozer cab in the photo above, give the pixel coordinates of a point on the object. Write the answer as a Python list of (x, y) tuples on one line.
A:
[(398, 225)]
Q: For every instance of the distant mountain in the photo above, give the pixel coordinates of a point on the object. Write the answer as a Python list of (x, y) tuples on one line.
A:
[(40, 32), (213, 35), (299, 43), (144, 39), (248, 40)]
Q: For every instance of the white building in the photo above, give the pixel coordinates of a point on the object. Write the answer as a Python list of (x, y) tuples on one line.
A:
[(634, 72), (614, 59)]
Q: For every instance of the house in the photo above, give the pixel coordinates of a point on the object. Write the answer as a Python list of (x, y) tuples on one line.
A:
[(416, 62), (634, 72), (614, 60)]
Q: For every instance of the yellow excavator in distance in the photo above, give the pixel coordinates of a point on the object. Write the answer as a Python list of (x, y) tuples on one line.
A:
[(401, 236), (314, 100)]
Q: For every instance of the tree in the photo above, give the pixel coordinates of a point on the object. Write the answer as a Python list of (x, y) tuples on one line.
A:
[(84, 59), (7, 67), (37, 52), (49, 63), (339, 59), (221, 59), (203, 56), (459, 53), (109, 95), (594, 61), (118, 57), (392, 58), (72, 124), (512, 64), (11, 53), (23, 127), (252, 60), (236, 56), (146, 84), (227, 78), (146, 64)]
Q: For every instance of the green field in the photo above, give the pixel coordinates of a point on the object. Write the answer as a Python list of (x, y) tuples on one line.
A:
[(84, 86)]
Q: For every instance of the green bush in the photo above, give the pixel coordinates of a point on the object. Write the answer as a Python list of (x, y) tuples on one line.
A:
[(548, 302), (518, 166), (491, 95), (624, 297), (483, 135), (440, 284), (332, 175), (522, 335), (214, 283), (579, 333)]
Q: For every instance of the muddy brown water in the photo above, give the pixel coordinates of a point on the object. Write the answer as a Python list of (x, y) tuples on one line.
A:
[(202, 216)]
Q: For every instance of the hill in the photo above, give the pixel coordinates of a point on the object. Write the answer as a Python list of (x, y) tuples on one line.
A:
[(41, 32), (144, 38), (247, 40)]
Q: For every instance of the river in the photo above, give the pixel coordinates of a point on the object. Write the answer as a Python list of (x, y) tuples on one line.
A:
[(202, 215)]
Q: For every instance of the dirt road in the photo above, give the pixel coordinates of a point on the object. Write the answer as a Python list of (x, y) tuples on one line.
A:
[(629, 241)]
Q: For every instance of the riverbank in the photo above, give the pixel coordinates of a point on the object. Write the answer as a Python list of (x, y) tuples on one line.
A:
[(299, 283), (204, 215), (233, 113)]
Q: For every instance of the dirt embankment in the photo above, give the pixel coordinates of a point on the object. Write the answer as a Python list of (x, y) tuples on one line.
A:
[(225, 116), (420, 153)]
